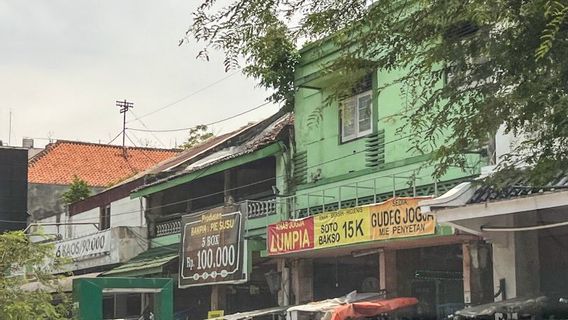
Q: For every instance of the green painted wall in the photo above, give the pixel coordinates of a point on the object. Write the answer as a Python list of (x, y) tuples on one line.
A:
[(330, 162)]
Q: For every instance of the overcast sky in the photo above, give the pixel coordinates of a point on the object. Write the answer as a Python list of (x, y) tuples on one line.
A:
[(63, 63)]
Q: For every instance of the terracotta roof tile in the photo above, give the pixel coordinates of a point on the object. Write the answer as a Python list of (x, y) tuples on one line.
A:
[(98, 164)]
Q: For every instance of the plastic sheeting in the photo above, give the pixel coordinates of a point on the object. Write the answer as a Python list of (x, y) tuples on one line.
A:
[(371, 308)]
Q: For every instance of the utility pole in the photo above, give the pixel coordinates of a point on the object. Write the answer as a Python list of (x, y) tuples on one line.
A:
[(124, 106), (10, 128)]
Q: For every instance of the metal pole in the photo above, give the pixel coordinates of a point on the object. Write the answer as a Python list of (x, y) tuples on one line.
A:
[(414, 184), (308, 204), (436, 187), (124, 128), (339, 201), (356, 193), (375, 190), (393, 186)]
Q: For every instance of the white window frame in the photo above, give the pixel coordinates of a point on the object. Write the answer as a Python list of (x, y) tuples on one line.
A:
[(358, 133)]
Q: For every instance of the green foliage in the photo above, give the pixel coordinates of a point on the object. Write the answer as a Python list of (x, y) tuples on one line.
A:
[(197, 135), (250, 30), (24, 262), (78, 190), (555, 12), (498, 56)]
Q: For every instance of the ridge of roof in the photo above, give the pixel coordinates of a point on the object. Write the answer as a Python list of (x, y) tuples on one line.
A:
[(52, 145), (98, 164)]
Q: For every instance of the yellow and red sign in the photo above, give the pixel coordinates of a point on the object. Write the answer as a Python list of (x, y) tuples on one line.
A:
[(394, 218)]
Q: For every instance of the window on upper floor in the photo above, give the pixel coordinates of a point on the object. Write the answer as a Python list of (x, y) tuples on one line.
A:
[(357, 116), (104, 221)]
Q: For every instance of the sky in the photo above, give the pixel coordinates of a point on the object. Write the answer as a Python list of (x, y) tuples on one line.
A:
[(64, 63)]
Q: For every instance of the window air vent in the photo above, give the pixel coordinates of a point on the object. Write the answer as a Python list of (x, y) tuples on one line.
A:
[(375, 149), (301, 167)]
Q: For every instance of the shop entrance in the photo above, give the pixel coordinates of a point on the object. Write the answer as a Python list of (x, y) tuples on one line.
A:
[(335, 277), (96, 298), (433, 275), (553, 252)]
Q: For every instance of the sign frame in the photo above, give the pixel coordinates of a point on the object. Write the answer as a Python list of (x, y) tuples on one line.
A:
[(82, 242), (241, 244)]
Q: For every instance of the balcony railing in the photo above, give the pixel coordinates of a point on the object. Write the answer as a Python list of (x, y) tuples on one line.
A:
[(252, 209), (355, 194), (168, 227), (257, 209)]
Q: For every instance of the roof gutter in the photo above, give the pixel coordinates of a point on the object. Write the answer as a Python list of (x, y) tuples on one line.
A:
[(267, 151)]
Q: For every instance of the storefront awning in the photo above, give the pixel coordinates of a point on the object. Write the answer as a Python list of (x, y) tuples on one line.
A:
[(372, 308), (254, 313), (313, 307), (331, 304), (65, 284), (149, 262)]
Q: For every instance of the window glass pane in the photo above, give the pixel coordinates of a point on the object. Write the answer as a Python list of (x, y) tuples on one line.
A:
[(348, 119), (364, 106)]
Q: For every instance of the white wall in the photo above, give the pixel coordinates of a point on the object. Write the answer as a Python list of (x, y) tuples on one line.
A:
[(124, 212), (506, 143), (127, 212), (78, 230)]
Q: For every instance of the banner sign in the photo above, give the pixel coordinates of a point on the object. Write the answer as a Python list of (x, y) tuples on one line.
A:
[(394, 218), (290, 236), (84, 247), (400, 218), (212, 249)]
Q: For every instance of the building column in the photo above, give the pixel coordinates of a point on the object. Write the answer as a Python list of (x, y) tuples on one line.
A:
[(303, 281), (477, 273), (466, 253), (516, 261), (218, 297), (388, 272), (228, 187), (284, 292)]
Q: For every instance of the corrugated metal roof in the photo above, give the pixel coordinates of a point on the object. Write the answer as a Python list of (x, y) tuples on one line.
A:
[(267, 135), (149, 262), (517, 184)]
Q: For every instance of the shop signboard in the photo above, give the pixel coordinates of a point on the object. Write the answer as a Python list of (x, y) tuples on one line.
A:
[(84, 247), (215, 314), (212, 249), (291, 235), (395, 218)]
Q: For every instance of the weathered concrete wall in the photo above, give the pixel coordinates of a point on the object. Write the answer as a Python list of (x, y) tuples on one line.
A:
[(44, 200)]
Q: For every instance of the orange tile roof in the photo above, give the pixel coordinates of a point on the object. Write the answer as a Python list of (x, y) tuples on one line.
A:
[(99, 165)]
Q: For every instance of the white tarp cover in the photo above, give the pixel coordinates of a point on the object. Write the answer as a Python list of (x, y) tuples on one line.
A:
[(252, 314), (317, 306), (326, 307), (329, 304)]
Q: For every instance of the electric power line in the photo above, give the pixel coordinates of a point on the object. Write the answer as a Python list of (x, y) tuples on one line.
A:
[(141, 150), (186, 97), (206, 124), (145, 126), (118, 135), (252, 184)]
